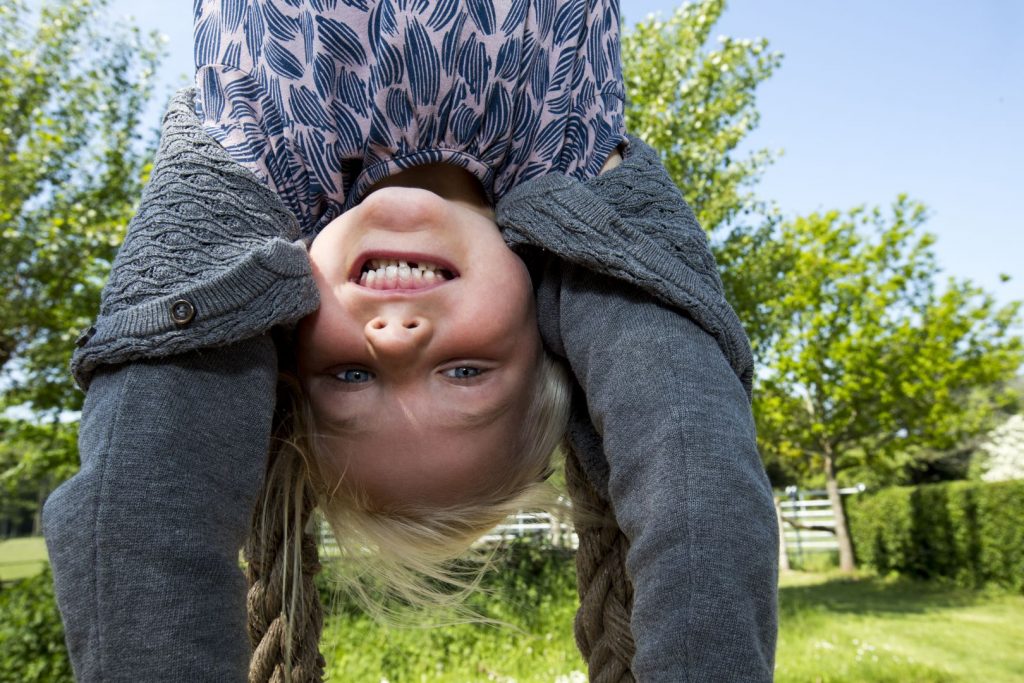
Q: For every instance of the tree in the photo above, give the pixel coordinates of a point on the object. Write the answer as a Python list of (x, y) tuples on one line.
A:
[(72, 164), (696, 105), (72, 169), (870, 363)]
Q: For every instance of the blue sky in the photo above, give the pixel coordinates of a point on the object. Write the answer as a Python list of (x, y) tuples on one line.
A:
[(873, 98)]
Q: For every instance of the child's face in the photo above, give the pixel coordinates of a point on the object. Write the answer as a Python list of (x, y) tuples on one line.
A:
[(419, 383)]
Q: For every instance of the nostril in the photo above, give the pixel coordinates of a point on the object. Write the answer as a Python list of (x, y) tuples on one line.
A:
[(412, 325), (378, 324)]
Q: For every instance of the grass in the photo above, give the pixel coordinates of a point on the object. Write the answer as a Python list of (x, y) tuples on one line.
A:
[(22, 557), (359, 650), (833, 629), (535, 595), (836, 629)]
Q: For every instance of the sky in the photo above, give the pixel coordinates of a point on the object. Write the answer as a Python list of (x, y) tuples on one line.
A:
[(873, 98)]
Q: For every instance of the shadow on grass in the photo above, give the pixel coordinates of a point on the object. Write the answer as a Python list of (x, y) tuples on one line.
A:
[(874, 596)]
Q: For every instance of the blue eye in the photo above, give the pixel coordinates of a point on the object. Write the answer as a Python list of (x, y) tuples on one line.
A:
[(354, 376), (463, 372)]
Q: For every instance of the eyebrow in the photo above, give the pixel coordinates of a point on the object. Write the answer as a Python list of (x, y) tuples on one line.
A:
[(473, 419), (465, 419), (345, 425)]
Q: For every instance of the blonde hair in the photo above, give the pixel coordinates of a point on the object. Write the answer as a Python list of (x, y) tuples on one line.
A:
[(405, 559)]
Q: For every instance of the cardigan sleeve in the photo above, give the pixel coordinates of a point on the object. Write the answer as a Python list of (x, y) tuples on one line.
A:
[(671, 432), (181, 373), (629, 294), (211, 257), (632, 224), (144, 541)]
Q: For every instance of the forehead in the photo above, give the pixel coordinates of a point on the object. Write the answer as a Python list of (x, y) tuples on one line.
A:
[(433, 455), (364, 415)]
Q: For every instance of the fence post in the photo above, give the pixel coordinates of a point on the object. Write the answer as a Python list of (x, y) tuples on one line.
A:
[(794, 496), (783, 551)]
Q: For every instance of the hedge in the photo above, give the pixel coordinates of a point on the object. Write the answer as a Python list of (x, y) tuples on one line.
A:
[(31, 634), (969, 532)]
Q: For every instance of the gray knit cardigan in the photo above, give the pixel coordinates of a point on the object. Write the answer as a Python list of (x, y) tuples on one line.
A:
[(144, 539)]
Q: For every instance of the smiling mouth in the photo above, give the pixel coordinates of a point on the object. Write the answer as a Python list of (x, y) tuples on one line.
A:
[(386, 274)]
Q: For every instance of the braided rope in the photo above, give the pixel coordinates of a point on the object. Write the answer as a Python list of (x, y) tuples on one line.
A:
[(606, 594), (274, 591)]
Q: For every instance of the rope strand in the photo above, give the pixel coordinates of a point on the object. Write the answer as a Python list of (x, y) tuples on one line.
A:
[(606, 595), (282, 561)]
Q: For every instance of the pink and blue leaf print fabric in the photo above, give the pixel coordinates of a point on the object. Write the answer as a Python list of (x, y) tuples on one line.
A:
[(323, 98)]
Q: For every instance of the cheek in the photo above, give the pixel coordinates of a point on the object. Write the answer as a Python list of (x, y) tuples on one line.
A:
[(503, 308), (312, 332), (326, 337)]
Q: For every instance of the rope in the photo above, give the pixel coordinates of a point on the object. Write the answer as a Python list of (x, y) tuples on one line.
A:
[(271, 571), (606, 594)]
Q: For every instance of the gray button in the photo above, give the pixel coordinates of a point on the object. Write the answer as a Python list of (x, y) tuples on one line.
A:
[(85, 336), (182, 312)]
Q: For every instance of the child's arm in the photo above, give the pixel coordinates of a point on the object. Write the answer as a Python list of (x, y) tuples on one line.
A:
[(683, 476), (634, 303), (211, 257), (144, 540), (181, 373)]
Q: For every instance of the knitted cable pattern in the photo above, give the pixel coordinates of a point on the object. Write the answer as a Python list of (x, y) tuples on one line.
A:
[(207, 233), (631, 224), (606, 594), (273, 591)]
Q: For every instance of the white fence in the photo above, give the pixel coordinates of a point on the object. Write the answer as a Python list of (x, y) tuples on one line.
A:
[(807, 520), (805, 514), (537, 525)]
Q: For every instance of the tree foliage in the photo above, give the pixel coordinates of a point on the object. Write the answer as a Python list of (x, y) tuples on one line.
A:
[(870, 364), (71, 169), (72, 164), (31, 633), (696, 105), (872, 361)]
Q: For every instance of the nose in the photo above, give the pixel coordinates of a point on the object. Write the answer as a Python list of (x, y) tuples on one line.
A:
[(393, 337)]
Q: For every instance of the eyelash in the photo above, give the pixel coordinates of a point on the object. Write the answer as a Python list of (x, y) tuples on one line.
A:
[(340, 376), (477, 372), (367, 375)]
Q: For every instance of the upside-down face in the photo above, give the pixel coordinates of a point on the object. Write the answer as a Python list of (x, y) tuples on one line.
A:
[(420, 362)]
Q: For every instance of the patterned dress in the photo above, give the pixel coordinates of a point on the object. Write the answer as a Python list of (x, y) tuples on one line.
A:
[(323, 98)]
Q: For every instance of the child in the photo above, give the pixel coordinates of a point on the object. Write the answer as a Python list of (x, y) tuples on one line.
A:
[(183, 373), (335, 105)]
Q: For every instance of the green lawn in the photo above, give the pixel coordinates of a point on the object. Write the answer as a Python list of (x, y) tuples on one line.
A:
[(879, 630), (832, 630), (21, 557)]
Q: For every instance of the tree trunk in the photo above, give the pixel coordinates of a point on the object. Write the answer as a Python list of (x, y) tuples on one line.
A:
[(846, 563), (37, 516)]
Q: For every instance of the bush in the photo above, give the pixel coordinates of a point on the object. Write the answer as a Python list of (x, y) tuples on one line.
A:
[(31, 633), (531, 592), (969, 532)]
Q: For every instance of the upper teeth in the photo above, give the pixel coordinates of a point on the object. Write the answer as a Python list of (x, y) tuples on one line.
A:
[(396, 274)]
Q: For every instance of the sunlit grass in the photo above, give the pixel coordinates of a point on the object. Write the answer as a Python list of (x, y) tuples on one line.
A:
[(535, 596), (22, 557), (836, 629), (832, 629)]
